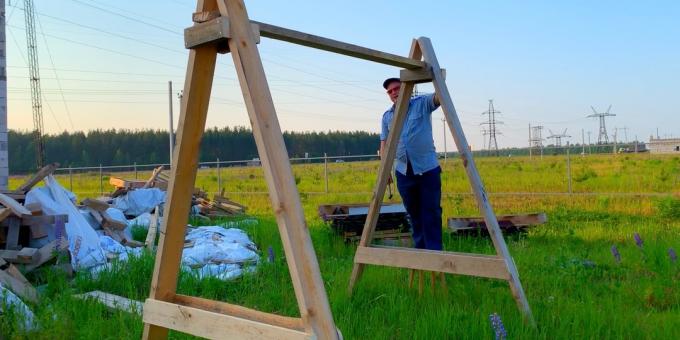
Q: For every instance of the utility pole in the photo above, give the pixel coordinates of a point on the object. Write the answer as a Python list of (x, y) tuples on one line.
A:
[(590, 146), (492, 131), (583, 143), (625, 134), (4, 153), (602, 137), (171, 132)]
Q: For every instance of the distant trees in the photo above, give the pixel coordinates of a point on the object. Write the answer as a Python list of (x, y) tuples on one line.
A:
[(122, 147)]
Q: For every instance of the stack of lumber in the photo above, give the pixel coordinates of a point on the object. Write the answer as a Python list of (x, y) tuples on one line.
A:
[(19, 225), (220, 206), (349, 219), (156, 180), (112, 227), (507, 223)]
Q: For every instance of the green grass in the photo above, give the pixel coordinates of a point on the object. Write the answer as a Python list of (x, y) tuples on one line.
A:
[(573, 283)]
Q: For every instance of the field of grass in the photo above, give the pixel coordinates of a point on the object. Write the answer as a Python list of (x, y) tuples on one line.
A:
[(575, 286)]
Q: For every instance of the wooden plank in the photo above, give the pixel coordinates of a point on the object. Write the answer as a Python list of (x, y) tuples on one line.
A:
[(212, 325), (490, 266), (22, 289), (473, 176), (15, 206), (110, 222), (38, 231), (297, 243), (214, 31), (476, 222), (42, 173), (29, 255), (13, 233), (417, 76), (95, 204), (153, 229), (96, 215), (113, 301), (4, 213), (36, 220), (240, 312), (157, 171), (193, 113), (330, 45), (126, 183), (46, 253), (386, 163)]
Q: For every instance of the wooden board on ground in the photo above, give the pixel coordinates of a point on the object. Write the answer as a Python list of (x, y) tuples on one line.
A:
[(113, 301), (507, 223), (42, 173), (20, 287)]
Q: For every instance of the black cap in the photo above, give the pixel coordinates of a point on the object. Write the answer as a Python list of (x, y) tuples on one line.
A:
[(388, 81)]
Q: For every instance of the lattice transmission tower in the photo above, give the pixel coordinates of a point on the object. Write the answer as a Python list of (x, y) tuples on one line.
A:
[(602, 137), (491, 129)]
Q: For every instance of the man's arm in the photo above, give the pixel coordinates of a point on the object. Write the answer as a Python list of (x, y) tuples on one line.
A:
[(436, 99), (382, 149)]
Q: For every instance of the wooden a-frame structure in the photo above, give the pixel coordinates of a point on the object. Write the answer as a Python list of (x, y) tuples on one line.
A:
[(223, 26), (500, 266)]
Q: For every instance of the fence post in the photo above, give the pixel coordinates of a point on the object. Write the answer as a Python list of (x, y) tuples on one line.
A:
[(135, 170), (219, 177), (101, 180), (569, 171), (325, 169), (70, 178)]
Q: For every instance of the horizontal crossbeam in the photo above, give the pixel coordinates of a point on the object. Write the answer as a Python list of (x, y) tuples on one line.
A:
[(214, 31), (212, 325), (490, 266)]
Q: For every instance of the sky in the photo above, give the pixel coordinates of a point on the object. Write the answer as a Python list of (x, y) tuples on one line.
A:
[(107, 64)]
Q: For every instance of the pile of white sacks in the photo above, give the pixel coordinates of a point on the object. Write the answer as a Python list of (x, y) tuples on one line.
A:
[(217, 251)]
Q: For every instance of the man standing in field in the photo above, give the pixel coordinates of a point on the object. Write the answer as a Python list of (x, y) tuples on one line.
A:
[(417, 170)]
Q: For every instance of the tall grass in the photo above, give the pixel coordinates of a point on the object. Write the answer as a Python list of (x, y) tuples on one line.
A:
[(574, 285)]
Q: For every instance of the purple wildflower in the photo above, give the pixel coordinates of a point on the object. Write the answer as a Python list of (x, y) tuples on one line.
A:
[(616, 254), (638, 240), (497, 326), (672, 255), (271, 254)]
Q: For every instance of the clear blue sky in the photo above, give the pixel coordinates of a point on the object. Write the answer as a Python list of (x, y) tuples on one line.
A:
[(543, 63)]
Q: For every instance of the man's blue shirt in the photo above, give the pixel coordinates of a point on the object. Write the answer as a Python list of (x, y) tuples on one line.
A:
[(416, 144)]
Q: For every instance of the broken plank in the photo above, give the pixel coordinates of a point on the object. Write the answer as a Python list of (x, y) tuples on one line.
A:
[(113, 301), (42, 173), (28, 255), (4, 213), (112, 223), (12, 233), (157, 171), (19, 288), (46, 253), (153, 228), (95, 204), (11, 203)]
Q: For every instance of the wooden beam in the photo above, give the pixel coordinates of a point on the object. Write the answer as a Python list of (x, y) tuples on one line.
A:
[(46, 170), (13, 233), (46, 253), (15, 206), (297, 243), (240, 312), (22, 289), (95, 204), (474, 178), (417, 76), (212, 325), (153, 229), (4, 213), (193, 113), (157, 171), (437, 261), (386, 162), (36, 220), (113, 301), (214, 31), (335, 46)]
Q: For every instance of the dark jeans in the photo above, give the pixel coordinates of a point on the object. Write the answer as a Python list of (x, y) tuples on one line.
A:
[(422, 198)]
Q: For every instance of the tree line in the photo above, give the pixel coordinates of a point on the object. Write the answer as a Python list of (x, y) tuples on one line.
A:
[(124, 147)]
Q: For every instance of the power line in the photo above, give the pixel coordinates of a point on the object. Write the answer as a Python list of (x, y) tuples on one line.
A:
[(491, 130)]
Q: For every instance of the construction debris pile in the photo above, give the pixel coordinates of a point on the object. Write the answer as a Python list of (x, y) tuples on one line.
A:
[(44, 224)]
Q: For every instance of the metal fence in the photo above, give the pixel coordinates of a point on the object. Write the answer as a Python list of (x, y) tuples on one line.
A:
[(135, 170)]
